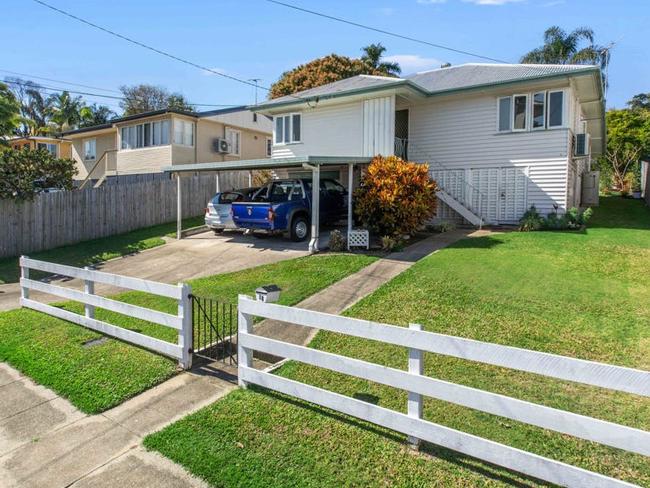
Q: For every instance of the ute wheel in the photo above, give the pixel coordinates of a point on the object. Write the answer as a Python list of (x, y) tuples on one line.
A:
[(217, 231), (299, 229)]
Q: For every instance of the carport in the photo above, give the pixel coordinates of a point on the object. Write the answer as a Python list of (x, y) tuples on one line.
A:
[(312, 163)]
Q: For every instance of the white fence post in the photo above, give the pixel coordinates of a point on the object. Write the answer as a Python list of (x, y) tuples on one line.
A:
[(24, 273), (244, 354), (89, 287), (415, 400), (185, 334)]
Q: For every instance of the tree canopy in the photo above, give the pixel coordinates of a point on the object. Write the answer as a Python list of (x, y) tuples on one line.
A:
[(560, 47), (640, 102), (332, 68), (146, 98), (9, 111), (372, 55), (628, 140), (22, 172)]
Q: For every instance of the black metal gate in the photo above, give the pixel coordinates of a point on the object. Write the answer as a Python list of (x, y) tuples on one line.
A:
[(215, 329)]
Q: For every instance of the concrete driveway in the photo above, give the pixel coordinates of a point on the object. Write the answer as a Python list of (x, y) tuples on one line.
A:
[(199, 255)]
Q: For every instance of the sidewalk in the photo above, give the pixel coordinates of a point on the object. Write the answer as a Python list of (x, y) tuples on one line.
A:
[(45, 441)]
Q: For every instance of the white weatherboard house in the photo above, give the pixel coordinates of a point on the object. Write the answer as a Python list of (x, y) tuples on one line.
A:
[(498, 137)]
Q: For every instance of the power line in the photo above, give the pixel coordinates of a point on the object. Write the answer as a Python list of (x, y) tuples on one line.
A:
[(160, 51), (381, 31), (59, 81), (113, 97), (146, 46)]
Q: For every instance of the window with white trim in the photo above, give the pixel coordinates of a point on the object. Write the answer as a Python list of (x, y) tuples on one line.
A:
[(531, 111), (51, 148), (288, 129), (90, 149), (234, 141), (539, 110), (269, 147), (145, 135), (183, 132), (555, 108), (505, 104), (520, 112)]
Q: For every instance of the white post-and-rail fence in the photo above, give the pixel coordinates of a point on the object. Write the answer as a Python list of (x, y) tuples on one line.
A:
[(182, 322), (417, 385)]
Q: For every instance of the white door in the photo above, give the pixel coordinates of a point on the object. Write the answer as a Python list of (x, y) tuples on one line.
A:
[(502, 193)]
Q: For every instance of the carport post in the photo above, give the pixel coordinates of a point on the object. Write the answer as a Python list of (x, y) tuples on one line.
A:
[(250, 178), (315, 208), (350, 186), (217, 183), (179, 207)]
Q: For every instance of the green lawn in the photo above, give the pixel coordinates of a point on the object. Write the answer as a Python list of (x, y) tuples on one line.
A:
[(98, 250), (52, 352), (583, 294)]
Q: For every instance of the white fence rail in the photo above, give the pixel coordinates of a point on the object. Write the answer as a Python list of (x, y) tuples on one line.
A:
[(417, 386), (182, 322)]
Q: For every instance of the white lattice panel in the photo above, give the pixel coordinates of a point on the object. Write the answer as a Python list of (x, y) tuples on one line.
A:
[(359, 238)]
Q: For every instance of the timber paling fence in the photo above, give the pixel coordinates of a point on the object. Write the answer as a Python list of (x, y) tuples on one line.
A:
[(418, 386), (68, 217)]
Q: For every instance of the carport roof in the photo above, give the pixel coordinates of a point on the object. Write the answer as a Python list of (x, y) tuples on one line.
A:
[(251, 164)]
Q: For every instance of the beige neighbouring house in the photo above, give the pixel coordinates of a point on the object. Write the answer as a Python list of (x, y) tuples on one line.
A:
[(58, 147), (147, 142)]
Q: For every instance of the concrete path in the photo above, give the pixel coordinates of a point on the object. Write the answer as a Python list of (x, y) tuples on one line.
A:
[(199, 255), (45, 441), (348, 291)]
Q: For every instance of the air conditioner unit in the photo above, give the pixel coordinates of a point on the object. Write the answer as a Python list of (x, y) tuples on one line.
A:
[(581, 145), (221, 146)]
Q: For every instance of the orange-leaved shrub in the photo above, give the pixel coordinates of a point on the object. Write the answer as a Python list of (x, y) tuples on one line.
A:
[(395, 196)]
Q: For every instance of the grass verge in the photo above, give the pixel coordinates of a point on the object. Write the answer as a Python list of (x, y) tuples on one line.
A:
[(98, 250), (54, 352), (582, 294)]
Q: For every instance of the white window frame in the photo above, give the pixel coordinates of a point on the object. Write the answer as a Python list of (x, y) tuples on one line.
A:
[(526, 115), (509, 129), (269, 147), (183, 123), (85, 155), (151, 144), (563, 125), (286, 117), (230, 132), (532, 110)]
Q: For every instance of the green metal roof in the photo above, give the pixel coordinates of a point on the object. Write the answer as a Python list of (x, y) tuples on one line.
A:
[(251, 164)]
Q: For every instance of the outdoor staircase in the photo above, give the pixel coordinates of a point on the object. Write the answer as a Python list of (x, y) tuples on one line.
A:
[(106, 166), (461, 209)]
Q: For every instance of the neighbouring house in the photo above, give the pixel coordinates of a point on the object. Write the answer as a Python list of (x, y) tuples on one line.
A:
[(147, 142), (58, 147), (498, 138)]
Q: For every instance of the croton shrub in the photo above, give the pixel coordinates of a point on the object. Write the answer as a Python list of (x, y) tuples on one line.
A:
[(396, 197)]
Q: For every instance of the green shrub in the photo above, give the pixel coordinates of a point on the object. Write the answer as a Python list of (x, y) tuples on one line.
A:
[(573, 219), (531, 220), (20, 169)]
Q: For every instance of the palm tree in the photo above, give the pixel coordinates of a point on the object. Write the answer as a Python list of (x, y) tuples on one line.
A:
[(95, 115), (64, 111), (372, 55), (562, 48)]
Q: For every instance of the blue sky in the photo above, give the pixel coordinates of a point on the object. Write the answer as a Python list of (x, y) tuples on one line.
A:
[(256, 39)]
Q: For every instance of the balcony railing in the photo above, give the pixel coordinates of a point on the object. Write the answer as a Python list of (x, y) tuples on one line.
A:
[(401, 148)]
